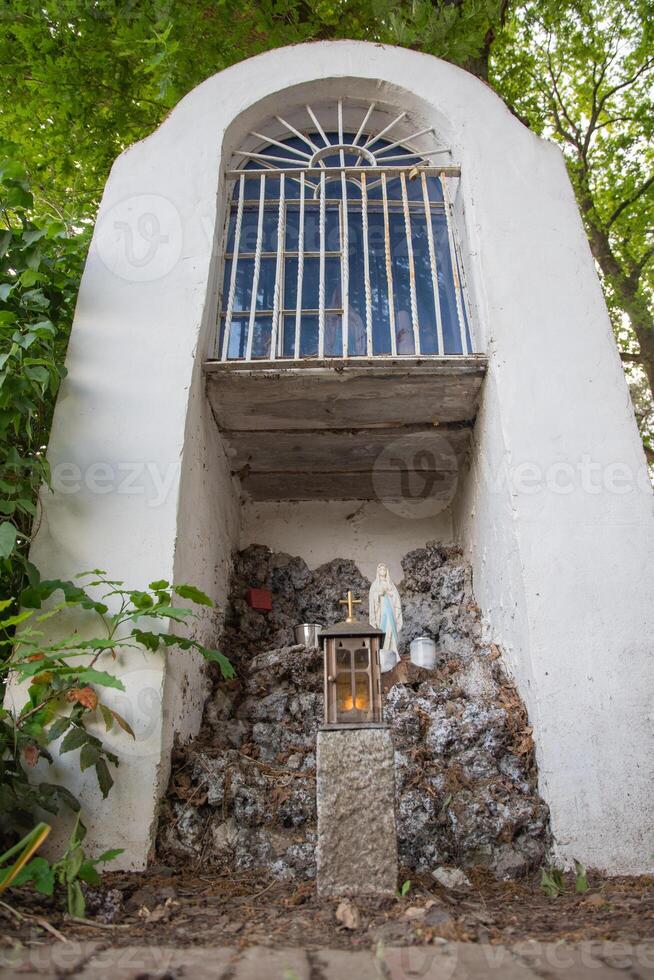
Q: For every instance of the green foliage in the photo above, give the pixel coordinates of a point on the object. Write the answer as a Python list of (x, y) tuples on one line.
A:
[(404, 890), (39, 273), (104, 75), (581, 880), (582, 73), (72, 868), (552, 880), (66, 677)]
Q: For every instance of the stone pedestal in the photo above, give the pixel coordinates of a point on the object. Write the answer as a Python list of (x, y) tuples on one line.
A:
[(357, 841)]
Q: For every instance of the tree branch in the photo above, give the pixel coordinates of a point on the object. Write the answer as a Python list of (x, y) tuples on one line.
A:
[(644, 187), (645, 257)]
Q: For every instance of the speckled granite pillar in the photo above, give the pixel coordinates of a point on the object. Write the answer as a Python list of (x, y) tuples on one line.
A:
[(357, 841)]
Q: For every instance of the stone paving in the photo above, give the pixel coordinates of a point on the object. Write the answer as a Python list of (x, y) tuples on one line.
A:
[(449, 961)]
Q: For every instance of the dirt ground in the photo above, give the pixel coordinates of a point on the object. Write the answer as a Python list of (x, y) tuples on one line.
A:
[(168, 906)]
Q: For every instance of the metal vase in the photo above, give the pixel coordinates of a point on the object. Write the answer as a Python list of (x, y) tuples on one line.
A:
[(307, 634)]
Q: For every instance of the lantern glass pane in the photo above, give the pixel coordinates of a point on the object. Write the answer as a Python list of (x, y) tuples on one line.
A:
[(343, 661), (362, 694), (361, 659), (344, 692)]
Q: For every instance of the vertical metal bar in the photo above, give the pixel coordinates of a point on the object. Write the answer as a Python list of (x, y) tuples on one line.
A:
[(232, 280), (455, 273), (275, 332), (389, 267), (345, 245), (366, 264), (345, 269), (321, 282), (412, 268), (340, 130), (257, 266), (440, 345), (300, 272)]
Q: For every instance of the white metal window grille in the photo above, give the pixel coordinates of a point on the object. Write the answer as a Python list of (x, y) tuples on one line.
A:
[(341, 244)]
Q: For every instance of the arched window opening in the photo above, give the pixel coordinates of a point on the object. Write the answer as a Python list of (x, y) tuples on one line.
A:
[(341, 243)]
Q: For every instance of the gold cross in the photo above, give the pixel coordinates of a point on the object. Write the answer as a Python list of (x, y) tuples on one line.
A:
[(349, 602)]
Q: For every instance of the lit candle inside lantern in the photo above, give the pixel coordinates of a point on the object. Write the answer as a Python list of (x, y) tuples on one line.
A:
[(352, 677)]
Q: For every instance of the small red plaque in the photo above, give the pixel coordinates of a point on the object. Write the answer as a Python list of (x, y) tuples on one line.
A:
[(260, 599)]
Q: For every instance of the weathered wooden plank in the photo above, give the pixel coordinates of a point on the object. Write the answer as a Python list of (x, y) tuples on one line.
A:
[(365, 395), (356, 450), (388, 485)]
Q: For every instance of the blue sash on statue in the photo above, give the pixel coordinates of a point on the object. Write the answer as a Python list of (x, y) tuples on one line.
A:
[(388, 624)]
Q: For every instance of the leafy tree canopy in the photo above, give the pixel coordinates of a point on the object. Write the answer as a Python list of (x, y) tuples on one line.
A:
[(83, 79), (583, 74)]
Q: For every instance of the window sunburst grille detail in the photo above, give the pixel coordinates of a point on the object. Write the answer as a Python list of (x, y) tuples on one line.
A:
[(341, 241)]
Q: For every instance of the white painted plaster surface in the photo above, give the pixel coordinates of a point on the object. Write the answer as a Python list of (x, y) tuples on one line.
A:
[(564, 579), (318, 530)]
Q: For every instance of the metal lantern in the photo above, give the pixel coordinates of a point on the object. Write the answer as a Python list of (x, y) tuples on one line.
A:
[(352, 673)]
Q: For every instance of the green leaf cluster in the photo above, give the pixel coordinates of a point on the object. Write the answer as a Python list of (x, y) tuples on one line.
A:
[(40, 265), (66, 677), (72, 869)]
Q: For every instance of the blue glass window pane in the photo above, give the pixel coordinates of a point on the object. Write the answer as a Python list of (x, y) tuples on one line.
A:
[(266, 284), (333, 335), (227, 275), (434, 190), (300, 152), (312, 228), (309, 336), (311, 283), (288, 336), (231, 228), (449, 317), (381, 330), (393, 188), (357, 293), (290, 284), (333, 295), (269, 230), (424, 284), (243, 291), (401, 284), (252, 188), (262, 335), (238, 336), (249, 222), (292, 239)]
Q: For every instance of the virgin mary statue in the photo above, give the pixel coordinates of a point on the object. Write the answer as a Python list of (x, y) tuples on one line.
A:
[(385, 608)]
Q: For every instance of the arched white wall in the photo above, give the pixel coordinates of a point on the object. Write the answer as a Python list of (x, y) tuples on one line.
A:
[(565, 581)]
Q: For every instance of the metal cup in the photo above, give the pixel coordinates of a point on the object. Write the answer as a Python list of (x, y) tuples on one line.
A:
[(307, 634)]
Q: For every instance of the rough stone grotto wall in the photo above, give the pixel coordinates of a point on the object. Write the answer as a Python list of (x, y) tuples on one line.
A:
[(242, 794)]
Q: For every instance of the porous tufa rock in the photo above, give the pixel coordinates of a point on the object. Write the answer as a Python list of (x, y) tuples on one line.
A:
[(451, 877), (242, 795)]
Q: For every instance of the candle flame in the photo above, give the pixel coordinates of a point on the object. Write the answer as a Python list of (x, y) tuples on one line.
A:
[(361, 704)]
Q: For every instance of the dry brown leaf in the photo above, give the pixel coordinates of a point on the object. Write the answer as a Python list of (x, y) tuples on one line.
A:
[(85, 696), (347, 915), (31, 755)]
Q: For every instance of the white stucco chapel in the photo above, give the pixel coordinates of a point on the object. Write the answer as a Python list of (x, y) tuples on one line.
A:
[(341, 303)]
